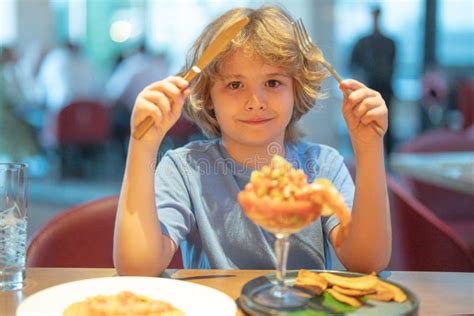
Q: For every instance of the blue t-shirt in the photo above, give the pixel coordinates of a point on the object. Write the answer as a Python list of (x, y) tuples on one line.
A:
[(196, 189)]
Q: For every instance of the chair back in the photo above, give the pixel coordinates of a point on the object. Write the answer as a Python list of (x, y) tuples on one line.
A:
[(439, 140), (182, 130), (350, 164), (83, 122), (420, 240), (81, 237), (465, 101), (453, 207)]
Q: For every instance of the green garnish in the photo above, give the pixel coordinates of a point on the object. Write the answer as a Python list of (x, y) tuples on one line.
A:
[(330, 302), (307, 312)]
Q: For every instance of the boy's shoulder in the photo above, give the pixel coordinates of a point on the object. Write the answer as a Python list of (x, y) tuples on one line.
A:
[(198, 148), (210, 149), (311, 149)]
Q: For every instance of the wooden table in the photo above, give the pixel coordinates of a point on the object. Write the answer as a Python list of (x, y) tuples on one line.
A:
[(440, 293), (452, 170)]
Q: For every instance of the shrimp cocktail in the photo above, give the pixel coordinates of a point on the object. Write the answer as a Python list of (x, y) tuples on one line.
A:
[(280, 200)]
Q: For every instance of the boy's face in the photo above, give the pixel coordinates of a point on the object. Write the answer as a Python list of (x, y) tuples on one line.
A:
[(253, 102)]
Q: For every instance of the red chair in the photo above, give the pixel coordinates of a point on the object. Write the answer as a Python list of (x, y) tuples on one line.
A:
[(453, 207), (420, 240), (79, 123), (350, 164), (465, 101), (439, 140), (181, 132), (83, 122), (78, 131), (81, 236)]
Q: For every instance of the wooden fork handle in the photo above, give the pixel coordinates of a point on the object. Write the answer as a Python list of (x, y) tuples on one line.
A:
[(147, 123), (377, 128), (331, 70)]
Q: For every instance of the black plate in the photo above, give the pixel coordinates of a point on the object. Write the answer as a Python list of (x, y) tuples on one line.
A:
[(313, 306)]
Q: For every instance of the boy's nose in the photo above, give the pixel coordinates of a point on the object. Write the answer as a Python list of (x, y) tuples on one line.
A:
[(254, 103)]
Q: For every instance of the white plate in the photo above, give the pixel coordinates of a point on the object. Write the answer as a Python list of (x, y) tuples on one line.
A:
[(191, 298)]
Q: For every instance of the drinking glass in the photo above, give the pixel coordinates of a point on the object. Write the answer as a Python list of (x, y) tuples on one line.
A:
[(281, 219), (13, 221)]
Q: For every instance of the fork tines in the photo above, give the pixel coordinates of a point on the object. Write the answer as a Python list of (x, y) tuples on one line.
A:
[(302, 38)]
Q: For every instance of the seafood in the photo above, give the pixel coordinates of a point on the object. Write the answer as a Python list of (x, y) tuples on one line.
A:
[(279, 198)]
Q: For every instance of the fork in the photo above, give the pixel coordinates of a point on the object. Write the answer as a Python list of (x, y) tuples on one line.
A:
[(309, 49)]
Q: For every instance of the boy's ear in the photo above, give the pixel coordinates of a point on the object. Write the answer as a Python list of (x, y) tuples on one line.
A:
[(210, 110), (212, 113)]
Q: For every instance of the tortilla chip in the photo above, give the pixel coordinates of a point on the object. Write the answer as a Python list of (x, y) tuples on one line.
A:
[(356, 283), (398, 295), (383, 296), (352, 292), (311, 281), (344, 298)]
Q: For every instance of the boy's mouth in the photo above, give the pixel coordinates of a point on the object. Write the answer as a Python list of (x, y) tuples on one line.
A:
[(256, 120)]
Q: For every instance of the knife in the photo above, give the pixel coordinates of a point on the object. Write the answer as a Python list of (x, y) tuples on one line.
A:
[(217, 45)]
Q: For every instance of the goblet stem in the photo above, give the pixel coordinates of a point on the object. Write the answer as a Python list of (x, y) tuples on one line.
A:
[(282, 247), (279, 295)]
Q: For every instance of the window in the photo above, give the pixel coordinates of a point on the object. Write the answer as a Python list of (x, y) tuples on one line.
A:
[(8, 31), (455, 36), (165, 33), (403, 21)]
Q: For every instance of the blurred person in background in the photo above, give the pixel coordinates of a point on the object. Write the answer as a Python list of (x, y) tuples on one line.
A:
[(11, 83), (28, 66), (65, 75), (13, 130), (373, 62), (132, 73), (128, 78), (22, 91)]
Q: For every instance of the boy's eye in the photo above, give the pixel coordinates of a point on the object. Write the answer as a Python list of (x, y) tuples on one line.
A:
[(234, 85), (273, 83)]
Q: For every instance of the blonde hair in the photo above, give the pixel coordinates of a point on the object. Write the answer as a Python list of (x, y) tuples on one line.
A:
[(268, 35)]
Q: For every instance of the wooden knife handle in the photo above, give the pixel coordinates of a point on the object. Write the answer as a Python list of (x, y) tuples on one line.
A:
[(143, 127), (147, 123)]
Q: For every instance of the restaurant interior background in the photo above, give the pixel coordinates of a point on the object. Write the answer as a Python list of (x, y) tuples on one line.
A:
[(435, 57)]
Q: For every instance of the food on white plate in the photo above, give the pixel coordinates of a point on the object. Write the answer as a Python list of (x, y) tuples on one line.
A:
[(124, 303)]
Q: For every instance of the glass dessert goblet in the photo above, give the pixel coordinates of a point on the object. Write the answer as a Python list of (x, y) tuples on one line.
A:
[(281, 218)]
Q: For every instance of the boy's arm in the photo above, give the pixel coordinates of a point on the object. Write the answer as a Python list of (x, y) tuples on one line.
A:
[(367, 246), (139, 246)]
